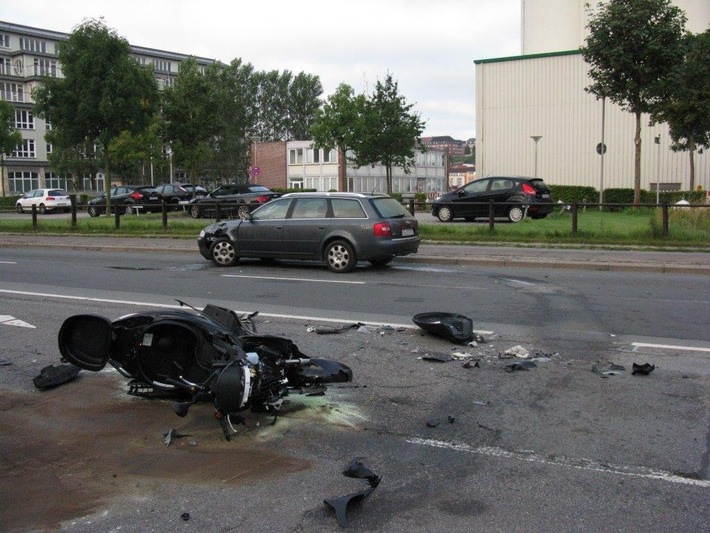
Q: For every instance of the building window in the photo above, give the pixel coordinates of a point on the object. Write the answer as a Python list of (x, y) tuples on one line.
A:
[(26, 149), (4, 40), (329, 156), (52, 181), (24, 119), (295, 156), (45, 67), (12, 92), (162, 66), (5, 66), (21, 182), (33, 45), (49, 148)]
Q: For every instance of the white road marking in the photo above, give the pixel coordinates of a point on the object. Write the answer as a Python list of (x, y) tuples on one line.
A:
[(295, 279), (8, 262), (582, 464), (669, 347), (8, 320)]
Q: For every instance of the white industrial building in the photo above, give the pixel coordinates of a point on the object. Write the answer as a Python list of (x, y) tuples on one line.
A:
[(533, 116)]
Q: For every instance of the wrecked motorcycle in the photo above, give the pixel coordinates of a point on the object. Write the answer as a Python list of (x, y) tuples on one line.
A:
[(193, 356)]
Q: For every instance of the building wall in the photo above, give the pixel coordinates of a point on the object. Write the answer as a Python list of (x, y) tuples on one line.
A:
[(270, 158), (26, 54), (556, 25), (518, 98)]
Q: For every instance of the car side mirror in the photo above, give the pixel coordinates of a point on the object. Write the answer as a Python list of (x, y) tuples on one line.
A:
[(461, 193)]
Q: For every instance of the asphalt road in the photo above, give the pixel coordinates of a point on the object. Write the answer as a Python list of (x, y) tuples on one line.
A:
[(554, 448)]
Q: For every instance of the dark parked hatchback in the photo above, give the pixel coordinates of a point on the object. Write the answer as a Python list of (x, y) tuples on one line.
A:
[(513, 197), (338, 229), (236, 200), (128, 199)]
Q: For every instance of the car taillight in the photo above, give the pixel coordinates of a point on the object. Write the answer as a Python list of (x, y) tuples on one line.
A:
[(136, 195), (529, 189), (50, 198), (262, 199), (382, 229)]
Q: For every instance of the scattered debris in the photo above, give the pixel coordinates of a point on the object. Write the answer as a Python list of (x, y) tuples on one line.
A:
[(456, 328), (520, 365), (439, 357), (451, 419), (471, 363), (515, 351), (5, 362), (333, 331), (481, 402), (55, 375), (340, 504), (610, 370), (644, 369), (432, 423), (185, 516), (173, 434), (477, 339)]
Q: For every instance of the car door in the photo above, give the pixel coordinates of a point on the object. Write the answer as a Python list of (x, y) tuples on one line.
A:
[(467, 198), (261, 234), (305, 228), (500, 191), (27, 199)]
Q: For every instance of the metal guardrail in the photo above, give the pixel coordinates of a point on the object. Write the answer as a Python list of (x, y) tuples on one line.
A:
[(573, 208)]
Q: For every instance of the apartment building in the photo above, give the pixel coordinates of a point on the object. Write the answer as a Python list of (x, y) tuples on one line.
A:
[(27, 55)]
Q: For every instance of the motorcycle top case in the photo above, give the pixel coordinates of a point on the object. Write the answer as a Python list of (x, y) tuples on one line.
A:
[(85, 341)]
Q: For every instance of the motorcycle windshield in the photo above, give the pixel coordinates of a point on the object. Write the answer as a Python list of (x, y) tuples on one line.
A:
[(85, 341)]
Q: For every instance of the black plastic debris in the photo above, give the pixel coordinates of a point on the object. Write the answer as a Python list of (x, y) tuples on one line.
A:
[(55, 375), (519, 365), (643, 370), (185, 516), (335, 331), (5, 362), (450, 326), (340, 504), (610, 370), (471, 363), (438, 357)]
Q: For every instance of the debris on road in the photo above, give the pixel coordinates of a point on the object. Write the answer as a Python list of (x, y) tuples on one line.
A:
[(610, 370), (325, 330), (520, 365), (340, 504), (515, 351), (55, 375), (450, 326), (643, 370)]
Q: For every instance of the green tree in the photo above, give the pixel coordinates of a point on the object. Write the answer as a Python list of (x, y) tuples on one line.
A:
[(388, 131), (104, 91), (686, 108), (334, 125), (10, 138), (234, 88), (633, 45), (75, 161), (141, 154), (272, 101), (189, 119), (304, 100)]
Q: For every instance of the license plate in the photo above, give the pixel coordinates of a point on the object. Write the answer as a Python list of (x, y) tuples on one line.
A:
[(407, 232)]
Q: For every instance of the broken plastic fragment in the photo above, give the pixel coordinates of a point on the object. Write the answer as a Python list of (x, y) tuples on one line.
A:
[(456, 328), (610, 370), (515, 351), (432, 423), (54, 375), (340, 504), (520, 365), (333, 331), (440, 357), (644, 369)]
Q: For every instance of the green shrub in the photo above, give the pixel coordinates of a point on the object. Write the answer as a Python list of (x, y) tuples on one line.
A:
[(571, 194)]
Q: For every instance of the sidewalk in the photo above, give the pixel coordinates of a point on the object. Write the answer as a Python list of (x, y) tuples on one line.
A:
[(488, 255)]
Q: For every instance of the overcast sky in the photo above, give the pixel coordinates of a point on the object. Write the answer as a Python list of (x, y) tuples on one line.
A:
[(429, 46)]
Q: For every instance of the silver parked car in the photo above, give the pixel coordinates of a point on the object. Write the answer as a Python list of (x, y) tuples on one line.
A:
[(336, 228)]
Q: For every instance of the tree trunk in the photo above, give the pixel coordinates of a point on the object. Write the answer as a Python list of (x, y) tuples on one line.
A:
[(342, 185), (691, 153), (637, 160), (107, 183)]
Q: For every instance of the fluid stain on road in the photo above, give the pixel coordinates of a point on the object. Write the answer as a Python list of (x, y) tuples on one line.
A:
[(66, 452)]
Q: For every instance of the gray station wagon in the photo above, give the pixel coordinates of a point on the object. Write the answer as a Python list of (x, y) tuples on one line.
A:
[(336, 228)]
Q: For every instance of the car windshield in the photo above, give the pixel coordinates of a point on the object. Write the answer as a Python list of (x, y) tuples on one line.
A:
[(388, 207), (258, 188), (274, 210)]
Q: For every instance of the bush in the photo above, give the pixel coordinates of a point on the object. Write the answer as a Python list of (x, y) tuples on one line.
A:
[(571, 194)]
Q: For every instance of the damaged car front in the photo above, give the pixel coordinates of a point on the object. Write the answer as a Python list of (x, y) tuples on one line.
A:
[(210, 234)]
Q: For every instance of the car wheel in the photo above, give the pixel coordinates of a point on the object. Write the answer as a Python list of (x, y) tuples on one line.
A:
[(381, 261), (195, 211), (42, 209), (340, 257), (445, 214), (93, 211), (19, 209), (223, 253), (516, 213), (243, 211)]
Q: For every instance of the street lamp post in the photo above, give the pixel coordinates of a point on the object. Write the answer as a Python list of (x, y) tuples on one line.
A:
[(657, 140), (536, 138)]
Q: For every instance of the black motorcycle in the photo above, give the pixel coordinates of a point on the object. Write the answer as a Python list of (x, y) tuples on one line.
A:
[(191, 356)]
